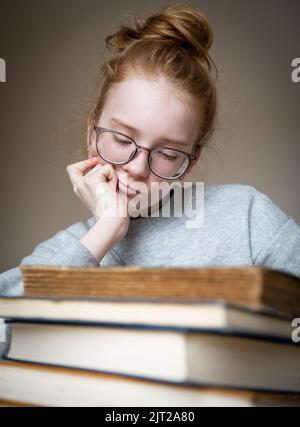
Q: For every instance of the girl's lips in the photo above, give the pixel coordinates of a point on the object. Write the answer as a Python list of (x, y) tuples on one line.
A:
[(126, 189)]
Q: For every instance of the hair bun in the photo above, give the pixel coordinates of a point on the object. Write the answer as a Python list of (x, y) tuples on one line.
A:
[(178, 25), (182, 25)]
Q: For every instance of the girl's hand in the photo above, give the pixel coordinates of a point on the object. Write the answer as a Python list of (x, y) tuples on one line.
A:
[(98, 191)]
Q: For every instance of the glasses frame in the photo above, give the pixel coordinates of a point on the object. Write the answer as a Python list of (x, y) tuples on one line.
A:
[(100, 129)]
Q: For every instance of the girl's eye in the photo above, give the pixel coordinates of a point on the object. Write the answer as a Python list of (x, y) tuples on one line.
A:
[(164, 155), (122, 141)]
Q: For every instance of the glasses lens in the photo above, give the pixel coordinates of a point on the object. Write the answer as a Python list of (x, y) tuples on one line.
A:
[(167, 163), (114, 148)]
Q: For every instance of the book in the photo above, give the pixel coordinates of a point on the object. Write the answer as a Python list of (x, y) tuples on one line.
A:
[(27, 384), (215, 358), (168, 313), (255, 287)]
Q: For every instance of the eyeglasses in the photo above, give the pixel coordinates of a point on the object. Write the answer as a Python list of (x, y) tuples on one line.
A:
[(117, 148)]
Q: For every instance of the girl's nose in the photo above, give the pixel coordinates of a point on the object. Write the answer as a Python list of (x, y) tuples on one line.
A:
[(138, 166)]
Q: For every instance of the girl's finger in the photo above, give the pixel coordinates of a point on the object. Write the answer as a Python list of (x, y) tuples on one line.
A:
[(76, 170), (107, 173), (93, 170)]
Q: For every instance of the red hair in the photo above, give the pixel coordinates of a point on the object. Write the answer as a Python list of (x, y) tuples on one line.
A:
[(172, 43)]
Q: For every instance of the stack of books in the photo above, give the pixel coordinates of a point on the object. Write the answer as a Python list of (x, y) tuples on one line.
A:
[(136, 336)]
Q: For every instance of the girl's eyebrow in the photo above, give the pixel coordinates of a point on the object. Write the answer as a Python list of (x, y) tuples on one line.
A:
[(133, 129)]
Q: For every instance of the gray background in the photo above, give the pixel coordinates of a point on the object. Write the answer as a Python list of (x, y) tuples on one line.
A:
[(53, 52)]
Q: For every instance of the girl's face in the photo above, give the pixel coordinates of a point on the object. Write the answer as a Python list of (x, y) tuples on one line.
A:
[(155, 111)]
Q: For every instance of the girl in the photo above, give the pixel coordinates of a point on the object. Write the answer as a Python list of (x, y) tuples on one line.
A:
[(155, 113)]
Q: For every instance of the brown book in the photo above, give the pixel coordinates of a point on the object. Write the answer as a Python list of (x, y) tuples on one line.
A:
[(255, 287), (25, 384)]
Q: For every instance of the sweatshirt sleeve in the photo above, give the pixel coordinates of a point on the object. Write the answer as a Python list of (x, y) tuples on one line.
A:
[(64, 248), (274, 236)]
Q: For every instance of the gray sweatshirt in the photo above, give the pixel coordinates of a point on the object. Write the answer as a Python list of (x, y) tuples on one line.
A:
[(241, 227)]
